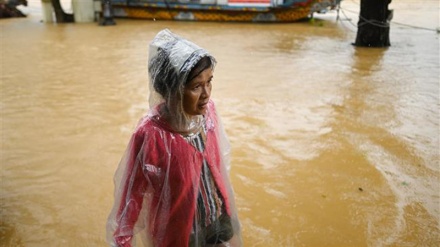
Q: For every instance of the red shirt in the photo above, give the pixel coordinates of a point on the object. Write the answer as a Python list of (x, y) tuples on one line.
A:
[(163, 176)]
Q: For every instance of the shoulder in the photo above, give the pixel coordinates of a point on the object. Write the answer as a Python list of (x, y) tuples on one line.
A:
[(147, 129), (212, 111), (211, 104), (149, 138), (144, 125), (211, 116)]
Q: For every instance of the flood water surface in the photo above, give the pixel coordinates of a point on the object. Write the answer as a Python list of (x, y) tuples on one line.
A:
[(333, 145)]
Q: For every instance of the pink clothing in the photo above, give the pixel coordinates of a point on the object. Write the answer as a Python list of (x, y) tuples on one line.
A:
[(162, 177)]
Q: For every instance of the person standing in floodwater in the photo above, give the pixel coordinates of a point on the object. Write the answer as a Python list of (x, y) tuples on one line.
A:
[(172, 185)]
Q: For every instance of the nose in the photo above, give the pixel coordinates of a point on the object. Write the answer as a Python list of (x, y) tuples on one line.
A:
[(206, 92)]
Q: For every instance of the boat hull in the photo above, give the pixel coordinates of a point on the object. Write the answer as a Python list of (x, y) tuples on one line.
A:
[(215, 13)]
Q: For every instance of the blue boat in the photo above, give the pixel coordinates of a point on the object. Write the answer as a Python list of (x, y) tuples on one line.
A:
[(222, 10)]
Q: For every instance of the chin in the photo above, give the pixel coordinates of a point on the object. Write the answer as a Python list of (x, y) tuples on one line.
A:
[(197, 113)]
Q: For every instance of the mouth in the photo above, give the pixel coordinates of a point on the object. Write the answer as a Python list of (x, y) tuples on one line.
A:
[(203, 105)]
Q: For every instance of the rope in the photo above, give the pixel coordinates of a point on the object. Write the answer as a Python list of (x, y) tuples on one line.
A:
[(416, 27), (381, 24), (349, 20), (372, 22)]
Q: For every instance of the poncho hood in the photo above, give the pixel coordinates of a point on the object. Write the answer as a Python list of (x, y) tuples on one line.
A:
[(171, 59)]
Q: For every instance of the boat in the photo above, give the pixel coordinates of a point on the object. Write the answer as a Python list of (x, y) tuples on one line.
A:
[(222, 10)]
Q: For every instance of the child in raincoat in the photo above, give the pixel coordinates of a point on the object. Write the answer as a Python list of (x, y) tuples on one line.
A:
[(172, 186)]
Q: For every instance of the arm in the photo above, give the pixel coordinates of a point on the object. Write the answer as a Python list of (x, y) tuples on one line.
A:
[(130, 186)]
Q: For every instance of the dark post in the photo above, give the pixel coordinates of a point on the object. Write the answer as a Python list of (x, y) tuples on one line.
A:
[(107, 12), (374, 24), (60, 15)]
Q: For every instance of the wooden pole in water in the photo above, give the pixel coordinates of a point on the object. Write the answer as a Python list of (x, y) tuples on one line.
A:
[(374, 24)]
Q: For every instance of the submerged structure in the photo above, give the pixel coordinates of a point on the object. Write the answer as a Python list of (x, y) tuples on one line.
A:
[(222, 10)]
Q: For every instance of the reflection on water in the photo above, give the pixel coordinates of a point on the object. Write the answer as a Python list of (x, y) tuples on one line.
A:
[(332, 145)]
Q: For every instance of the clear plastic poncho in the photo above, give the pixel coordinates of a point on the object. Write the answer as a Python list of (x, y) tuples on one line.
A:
[(172, 185)]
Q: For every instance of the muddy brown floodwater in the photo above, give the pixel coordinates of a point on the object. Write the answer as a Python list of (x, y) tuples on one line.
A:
[(333, 145)]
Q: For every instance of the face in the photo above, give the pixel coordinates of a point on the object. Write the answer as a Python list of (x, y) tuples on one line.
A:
[(197, 92)]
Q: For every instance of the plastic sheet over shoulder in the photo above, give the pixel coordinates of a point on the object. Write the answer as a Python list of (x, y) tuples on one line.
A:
[(174, 190)]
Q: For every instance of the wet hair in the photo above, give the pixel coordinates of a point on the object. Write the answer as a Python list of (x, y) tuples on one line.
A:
[(201, 65), (165, 77)]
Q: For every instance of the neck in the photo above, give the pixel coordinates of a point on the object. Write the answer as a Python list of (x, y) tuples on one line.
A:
[(181, 122)]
